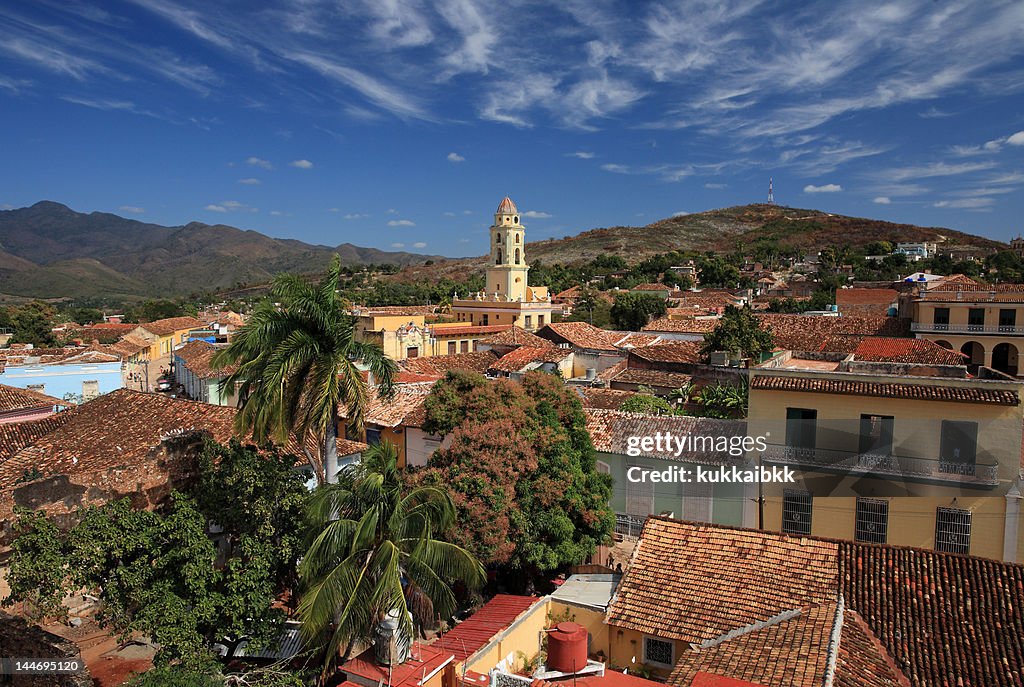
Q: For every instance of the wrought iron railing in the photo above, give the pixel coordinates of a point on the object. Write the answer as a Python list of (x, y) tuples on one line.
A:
[(966, 328), (629, 525), (885, 464)]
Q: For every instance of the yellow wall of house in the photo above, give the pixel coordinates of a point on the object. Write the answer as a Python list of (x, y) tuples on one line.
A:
[(589, 618), (915, 424), (911, 520), (524, 635), (627, 644), (924, 312)]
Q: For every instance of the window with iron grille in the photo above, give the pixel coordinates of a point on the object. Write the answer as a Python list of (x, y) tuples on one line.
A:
[(659, 651), (872, 520), (796, 512), (953, 530)]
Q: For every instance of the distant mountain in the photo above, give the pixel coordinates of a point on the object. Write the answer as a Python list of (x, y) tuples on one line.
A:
[(49, 250), (727, 229)]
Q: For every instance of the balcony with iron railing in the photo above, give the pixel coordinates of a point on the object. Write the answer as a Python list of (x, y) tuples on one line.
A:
[(889, 466), (982, 329)]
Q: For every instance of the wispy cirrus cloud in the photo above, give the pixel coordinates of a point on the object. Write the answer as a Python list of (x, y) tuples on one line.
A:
[(401, 223), (258, 162), (824, 188)]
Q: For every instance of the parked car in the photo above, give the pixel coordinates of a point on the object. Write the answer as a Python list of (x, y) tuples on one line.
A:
[(164, 385)]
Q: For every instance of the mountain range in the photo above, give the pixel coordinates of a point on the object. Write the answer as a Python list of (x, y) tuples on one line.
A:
[(48, 250)]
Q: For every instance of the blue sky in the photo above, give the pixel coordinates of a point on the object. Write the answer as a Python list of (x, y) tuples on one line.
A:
[(402, 124)]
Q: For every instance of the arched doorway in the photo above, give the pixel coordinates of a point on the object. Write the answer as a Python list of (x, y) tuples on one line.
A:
[(975, 353), (1004, 358)]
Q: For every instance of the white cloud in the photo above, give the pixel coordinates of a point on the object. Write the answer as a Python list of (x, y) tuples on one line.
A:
[(934, 169), (1016, 139), (333, 209), (401, 223), (680, 213), (250, 181), (391, 211), (132, 209), (467, 212), (966, 203), (230, 206), (455, 157), (882, 200), (216, 208), (301, 164), (258, 162), (276, 213), (398, 245), (581, 154), (356, 215), (716, 186), (826, 188), (419, 244), (536, 214)]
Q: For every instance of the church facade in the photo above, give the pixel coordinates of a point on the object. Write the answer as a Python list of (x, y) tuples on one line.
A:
[(507, 298)]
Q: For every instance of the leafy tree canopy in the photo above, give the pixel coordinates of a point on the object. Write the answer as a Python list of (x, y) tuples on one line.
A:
[(648, 405), (738, 331), (632, 310), (521, 470), (160, 573)]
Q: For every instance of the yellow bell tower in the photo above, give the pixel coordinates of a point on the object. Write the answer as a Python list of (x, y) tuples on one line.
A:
[(507, 273)]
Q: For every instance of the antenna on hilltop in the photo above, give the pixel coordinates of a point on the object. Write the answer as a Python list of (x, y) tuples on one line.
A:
[(771, 191)]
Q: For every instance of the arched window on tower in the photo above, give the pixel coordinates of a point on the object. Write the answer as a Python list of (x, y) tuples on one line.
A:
[(517, 238), (518, 261), (498, 260)]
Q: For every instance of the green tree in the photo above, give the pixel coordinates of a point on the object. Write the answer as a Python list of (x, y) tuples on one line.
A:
[(713, 270), (33, 324), (648, 405), (377, 553), (724, 400), (740, 332), (521, 470), (160, 573), (295, 363), (632, 311)]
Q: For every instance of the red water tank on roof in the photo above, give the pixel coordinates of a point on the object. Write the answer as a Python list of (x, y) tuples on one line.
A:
[(567, 647)]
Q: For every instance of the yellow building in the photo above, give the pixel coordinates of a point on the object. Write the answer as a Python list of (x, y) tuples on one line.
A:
[(407, 335), (507, 298), (983, 321), (165, 335), (895, 453)]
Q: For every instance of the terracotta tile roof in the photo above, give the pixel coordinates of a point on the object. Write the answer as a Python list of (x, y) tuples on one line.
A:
[(473, 633), (605, 399), (809, 332), (571, 292), (651, 287), (610, 431), (695, 582), (609, 373), (652, 378), (914, 391), (171, 325), (792, 652), (704, 300), (580, 335), (115, 429), (407, 400), (670, 352), (922, 351), (198, 357), (912, 617), (944, 618), (863, 661), (527, 356), (129, 345), (516, 336), (635, 340), (689, 325), (860, 296), (15, 436), (439, 365), (13, 398), (957, 279)]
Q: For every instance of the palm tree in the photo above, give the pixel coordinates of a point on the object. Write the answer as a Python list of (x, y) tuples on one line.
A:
[(295, 363), (375, 556)]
